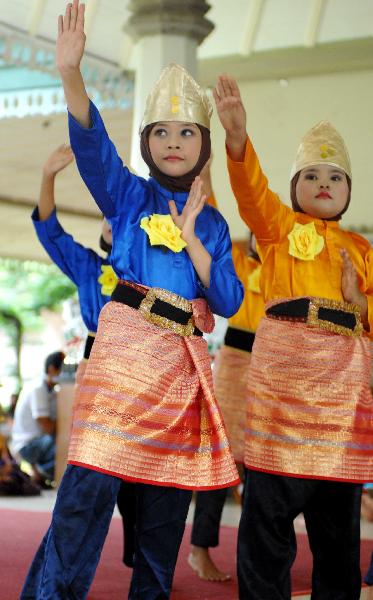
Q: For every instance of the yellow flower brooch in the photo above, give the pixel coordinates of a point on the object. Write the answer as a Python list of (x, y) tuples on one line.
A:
[(108, 280), (305, 242), (253, 280), (162, 231)]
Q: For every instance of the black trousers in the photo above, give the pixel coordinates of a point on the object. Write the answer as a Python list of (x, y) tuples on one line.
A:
[(267, 542), (126, 502), (207, 517)]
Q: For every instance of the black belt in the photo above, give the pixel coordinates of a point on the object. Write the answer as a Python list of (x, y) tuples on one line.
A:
[(337, 317), (88, 345), (239, 339), (159, 307)]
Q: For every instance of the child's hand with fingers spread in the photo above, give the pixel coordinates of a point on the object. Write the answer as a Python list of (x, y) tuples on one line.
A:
[(230, 109), (198, 254), (193, 206), (71, 37), (350, 286), (58, 160)]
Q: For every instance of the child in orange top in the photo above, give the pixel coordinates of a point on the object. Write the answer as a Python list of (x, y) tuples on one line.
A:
[(308, 436)]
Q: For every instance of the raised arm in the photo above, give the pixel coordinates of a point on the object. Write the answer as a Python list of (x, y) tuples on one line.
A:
[(76, 261), (259, 207), (96, 157), (56, 162), (232, 116), (69, 52)]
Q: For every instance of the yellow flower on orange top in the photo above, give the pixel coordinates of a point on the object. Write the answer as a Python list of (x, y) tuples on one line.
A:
[(305, 242), (253, 280), (162, 231), (108, 280)]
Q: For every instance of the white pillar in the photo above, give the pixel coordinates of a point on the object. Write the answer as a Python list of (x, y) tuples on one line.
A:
[(163, 32)]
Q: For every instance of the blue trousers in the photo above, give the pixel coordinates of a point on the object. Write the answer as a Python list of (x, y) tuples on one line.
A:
[(41, 452), (65, 564), (368, 579)]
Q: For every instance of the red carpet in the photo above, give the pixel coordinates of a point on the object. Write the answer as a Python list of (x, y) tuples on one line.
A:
[(21, 533)]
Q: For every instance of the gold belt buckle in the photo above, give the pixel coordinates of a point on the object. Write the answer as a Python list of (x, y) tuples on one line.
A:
[(154, 294), (314, 319)]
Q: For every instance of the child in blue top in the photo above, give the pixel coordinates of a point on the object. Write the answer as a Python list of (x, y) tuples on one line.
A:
[(83, 266), (95, 280), (146, 412)]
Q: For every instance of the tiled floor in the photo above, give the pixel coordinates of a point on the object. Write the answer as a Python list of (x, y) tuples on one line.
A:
[(231, 516)]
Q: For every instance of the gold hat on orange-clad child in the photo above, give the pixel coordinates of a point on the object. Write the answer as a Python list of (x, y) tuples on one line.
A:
[(322, 145)]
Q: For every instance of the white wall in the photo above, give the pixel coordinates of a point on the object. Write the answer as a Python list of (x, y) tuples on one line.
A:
[(277, 118)]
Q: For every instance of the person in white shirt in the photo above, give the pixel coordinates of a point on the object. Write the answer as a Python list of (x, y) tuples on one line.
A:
[(34, 427)]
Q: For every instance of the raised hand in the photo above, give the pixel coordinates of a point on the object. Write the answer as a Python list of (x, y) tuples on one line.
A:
[(71, 37), (229, 107), (193, 206), (58, 160), (69, 52)]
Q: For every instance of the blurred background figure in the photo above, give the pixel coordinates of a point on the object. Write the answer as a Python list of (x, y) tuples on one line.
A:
[(34, 427), (13, 481), (13, 403)]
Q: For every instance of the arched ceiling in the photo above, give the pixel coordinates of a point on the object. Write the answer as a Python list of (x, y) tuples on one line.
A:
[(252, 39)]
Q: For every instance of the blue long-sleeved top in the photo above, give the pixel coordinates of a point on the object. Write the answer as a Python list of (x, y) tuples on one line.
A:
[(125, 199), (80, 264)]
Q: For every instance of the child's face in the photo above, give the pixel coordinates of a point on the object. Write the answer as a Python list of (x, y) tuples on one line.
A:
[(175, 147), (322, 191)]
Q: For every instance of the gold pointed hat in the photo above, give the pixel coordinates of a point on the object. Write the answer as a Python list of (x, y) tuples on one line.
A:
[(176, 96), (322, 145)]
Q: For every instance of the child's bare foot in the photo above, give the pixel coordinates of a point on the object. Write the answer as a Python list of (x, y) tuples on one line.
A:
[(201, 562), (367, 509), (369, 593), (237, 494)]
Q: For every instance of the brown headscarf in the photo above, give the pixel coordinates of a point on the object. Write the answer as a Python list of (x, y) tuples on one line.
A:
[(184, 182), (297, 208)]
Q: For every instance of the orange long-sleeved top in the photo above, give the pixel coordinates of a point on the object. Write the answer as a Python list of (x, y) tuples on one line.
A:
[(248, 269), (252, 308), (283, 275)]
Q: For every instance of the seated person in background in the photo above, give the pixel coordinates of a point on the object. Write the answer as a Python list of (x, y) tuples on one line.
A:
[(34, 427)]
